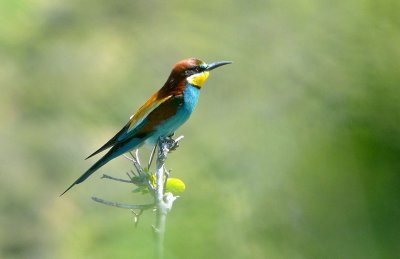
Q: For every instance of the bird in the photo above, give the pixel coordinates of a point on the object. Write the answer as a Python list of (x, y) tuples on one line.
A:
[(161, 115)]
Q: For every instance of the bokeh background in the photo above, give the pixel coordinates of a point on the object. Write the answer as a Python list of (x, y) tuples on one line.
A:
[(293, 151)]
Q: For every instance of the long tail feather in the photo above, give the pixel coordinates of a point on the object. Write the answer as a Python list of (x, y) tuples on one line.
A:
[(107, 157), (115, 151), (110, 143)]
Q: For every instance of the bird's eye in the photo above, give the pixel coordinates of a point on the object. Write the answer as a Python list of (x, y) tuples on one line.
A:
[(197, 69), (193, 70)]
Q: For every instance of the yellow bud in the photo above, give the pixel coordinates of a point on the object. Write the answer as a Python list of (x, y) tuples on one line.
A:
[(175, 186)]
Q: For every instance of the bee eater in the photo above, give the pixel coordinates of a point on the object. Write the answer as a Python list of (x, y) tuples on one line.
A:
[(161, 115)]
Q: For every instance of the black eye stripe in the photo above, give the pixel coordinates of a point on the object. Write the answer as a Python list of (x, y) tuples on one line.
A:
[(197, 69), (194, 70)]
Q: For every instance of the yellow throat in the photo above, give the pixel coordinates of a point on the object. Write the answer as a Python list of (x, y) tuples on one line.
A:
[(198, 79)]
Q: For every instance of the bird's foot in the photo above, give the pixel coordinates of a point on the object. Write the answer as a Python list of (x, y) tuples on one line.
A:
[(173, 144)]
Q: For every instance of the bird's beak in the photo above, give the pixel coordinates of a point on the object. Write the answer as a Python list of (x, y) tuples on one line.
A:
[(217, 64)]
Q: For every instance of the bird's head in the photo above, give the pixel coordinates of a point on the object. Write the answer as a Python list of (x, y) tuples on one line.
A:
[(194, 71)]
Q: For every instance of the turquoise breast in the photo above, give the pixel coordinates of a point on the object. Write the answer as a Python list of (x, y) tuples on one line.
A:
[(190, 99)]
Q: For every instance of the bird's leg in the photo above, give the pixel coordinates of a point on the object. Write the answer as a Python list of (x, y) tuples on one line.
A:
[(169, 139), (170, 142), (173, 144)]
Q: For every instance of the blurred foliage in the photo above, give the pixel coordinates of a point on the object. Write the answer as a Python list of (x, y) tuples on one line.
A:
[(293, 151)]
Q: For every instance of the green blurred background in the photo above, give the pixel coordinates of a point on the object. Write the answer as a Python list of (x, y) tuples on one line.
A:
[(293, 151)]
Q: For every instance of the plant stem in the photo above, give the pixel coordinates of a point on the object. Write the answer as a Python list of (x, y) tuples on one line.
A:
[(162, 209), (122, 205), (162, 201)]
